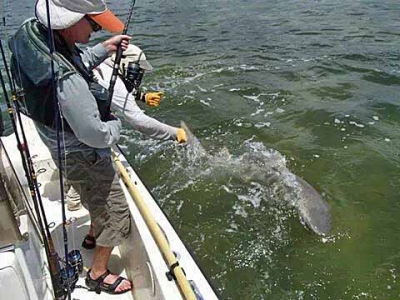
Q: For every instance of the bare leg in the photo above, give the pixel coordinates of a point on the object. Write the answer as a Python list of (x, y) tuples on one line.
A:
[(89, 242), (99, 267), (91, 234)]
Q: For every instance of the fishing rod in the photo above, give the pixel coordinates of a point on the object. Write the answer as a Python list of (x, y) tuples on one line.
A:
[(117, 60), (52, 259), (30, 174), (20, 147), (57, 121)]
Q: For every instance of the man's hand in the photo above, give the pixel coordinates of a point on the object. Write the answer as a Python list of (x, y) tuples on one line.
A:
[(154, 98), (181, 136), (111, 44)]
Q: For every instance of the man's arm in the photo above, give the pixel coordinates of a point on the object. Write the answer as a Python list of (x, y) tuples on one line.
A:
[(93, 56), (124, 103), (140, 121), (79, 108)]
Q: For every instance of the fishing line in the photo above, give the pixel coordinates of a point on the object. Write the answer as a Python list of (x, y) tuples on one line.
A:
[(65, 155), (73, 228)]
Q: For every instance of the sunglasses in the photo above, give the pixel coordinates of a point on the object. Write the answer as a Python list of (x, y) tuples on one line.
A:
[(95, 26)]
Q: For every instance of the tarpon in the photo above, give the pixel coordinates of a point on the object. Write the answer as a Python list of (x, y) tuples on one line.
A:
[(269, 168)]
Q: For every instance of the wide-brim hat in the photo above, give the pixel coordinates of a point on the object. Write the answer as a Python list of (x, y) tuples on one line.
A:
[(66, 13), (131, 54)]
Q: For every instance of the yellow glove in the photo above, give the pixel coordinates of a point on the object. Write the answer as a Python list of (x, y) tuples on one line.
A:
[(153, 98), (181, 136)]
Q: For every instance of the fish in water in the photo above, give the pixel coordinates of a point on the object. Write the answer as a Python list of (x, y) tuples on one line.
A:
[(313, 210), (192, 142), (269, 168)]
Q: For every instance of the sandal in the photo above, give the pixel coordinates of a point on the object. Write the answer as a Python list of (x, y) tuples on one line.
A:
[(98, 285), (89, 242)]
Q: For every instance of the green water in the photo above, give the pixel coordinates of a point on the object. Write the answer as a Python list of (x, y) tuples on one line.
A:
[(316, 81)]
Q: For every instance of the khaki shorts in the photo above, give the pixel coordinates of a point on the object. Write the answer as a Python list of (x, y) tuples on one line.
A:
[(97, 182)]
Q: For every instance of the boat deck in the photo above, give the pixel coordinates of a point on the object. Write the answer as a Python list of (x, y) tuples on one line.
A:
[(138, 258), (76, 233)]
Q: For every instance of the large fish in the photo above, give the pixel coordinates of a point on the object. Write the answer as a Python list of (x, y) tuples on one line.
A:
[(312, 209), (192, 141)]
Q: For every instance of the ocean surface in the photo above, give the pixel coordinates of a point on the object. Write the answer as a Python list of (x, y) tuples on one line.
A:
[(305, 87)]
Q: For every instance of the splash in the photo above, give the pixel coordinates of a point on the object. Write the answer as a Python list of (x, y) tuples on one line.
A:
[(256, 176)]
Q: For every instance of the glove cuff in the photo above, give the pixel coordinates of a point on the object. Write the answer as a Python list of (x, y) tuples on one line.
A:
[(139, 96), (143, 97)]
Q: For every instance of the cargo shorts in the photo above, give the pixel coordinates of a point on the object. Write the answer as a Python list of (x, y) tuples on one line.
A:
[(97, 182)]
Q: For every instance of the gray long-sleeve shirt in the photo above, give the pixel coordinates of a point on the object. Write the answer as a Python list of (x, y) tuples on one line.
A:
[(125, 104), (79, 108)]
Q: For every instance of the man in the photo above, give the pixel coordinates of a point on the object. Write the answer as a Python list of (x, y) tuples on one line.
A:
[(88, 129), (126, 93)]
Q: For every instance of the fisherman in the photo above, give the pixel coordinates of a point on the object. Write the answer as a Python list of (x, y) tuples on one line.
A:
[(88, 129), (126, 92)]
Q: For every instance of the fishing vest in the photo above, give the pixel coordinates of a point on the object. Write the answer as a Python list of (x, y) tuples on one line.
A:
[(31, 69)]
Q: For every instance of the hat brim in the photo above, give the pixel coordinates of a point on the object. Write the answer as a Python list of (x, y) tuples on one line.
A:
[(108, 21), (145, 65)]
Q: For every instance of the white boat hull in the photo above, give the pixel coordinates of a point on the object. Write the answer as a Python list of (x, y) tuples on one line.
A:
[(138, 258)]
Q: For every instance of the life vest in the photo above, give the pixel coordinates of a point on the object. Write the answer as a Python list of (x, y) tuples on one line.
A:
[(31, 69)]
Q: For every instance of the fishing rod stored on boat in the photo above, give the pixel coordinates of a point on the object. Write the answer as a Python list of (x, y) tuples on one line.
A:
[(51, 254), (57, 119), (71, 275), (175, 270), (23, 147), (63, 279), (117, 61)]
